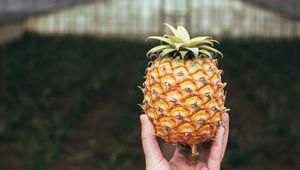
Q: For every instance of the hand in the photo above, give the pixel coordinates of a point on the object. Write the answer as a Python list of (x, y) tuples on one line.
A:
[(210, 158)]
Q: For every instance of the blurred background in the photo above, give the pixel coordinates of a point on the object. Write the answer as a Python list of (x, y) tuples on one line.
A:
[(70, 70)]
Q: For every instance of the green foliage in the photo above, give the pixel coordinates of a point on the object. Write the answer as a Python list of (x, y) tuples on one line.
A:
[(75, 98), (180, 44)]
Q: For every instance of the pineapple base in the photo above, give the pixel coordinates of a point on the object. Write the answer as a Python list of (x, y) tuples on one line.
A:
[(190, 152)]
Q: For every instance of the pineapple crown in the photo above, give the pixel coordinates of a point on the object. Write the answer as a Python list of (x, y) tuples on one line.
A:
[(180, 44)]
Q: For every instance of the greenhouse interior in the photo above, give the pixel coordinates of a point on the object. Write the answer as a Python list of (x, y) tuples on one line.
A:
[(70, 72)]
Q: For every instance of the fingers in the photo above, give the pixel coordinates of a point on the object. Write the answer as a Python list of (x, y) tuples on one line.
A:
[(226, 133), (219, 145), (214, 160), (151, 148)]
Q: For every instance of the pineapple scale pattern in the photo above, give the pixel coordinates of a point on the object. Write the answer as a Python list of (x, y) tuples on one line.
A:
[(184, 99)]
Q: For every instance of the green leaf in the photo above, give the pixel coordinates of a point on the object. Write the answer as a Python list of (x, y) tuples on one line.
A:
[(194, 50), (174, 31), (215, 41), (183, 34), (178, 45), (195, 43), (174, 39), (166, 40), (166, 51), (183, 54), (157, 49), (210, 49), (200, 38), (206, 53)]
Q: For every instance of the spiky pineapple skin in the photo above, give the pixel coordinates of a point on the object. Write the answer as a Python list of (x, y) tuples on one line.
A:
[(184, 99)]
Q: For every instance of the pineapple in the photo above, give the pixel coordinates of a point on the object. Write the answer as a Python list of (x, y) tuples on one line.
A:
[(183, 92)]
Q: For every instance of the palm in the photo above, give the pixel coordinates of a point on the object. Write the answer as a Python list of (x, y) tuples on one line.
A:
[(179, 162), (209, 159)]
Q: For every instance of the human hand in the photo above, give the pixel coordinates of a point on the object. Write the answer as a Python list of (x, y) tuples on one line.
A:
[(210, 158)]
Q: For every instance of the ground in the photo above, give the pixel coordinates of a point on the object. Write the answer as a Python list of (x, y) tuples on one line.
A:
[(71, 103)]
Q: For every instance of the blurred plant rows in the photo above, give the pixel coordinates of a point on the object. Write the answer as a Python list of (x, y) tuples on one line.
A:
[(71, 103)]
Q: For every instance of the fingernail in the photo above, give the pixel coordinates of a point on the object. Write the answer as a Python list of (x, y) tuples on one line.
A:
[(143, 122), (142, 118)]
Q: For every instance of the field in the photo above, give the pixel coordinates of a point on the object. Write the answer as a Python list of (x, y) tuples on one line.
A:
[(71, 103)]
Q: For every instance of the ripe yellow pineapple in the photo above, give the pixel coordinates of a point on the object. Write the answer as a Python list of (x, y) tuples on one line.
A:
[(183, 93)]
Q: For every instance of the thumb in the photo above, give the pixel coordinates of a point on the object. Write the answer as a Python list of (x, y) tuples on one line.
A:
[(151, 148)]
